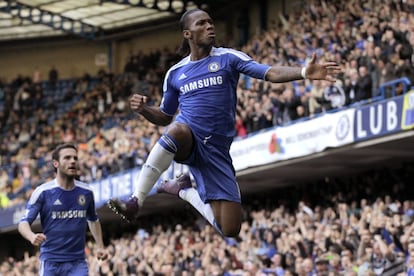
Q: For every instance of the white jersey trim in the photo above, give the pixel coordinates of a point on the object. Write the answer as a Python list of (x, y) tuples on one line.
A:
[(83, 185), (52, 185), (222, 51), (39, 190), (181, 63)]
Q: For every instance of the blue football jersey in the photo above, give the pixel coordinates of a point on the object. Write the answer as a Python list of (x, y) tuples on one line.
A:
[(205, 90), (63, 215)]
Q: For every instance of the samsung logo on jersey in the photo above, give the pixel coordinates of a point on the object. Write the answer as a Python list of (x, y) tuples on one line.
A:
[(211, 81), (69, 214)]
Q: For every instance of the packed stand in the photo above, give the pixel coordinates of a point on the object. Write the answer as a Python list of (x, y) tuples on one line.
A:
[(98, 121), (372, 40), (361, 225)]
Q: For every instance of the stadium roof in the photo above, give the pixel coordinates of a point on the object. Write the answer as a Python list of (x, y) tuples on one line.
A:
[(22, 19)]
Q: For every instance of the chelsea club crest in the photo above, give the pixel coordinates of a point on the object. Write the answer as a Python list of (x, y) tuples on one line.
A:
[(213, 67), (81, 200)]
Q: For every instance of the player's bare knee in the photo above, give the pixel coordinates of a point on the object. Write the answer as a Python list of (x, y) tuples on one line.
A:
[(184, 137), (179, 130)]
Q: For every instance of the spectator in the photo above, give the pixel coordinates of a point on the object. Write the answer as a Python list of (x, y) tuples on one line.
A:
[(37, 75), (316, 98), (335, 95), (364, 84), (409, 265), (321, 267), (53, 77), (4, 199), (351, 88), (383, 260), (291, 102)]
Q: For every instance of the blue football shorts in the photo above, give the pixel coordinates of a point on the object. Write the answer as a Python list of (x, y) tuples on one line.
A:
[(212, 168), (71, 268)]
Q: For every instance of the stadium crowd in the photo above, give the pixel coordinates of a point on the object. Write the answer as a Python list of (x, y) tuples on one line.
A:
[(360, 225), (372, 40)]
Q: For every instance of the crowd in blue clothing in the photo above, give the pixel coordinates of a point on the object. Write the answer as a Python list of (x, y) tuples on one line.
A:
[(371, 40), (360, 225)]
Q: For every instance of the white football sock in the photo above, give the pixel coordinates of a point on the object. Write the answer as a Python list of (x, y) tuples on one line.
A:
[(157, 162), (191, 196)]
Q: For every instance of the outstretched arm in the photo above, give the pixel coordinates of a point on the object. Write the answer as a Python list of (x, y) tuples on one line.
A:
[(324, 71), (153, 114)]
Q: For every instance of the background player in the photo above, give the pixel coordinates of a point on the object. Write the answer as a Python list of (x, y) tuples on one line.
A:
[(203, 87), (65, 206)]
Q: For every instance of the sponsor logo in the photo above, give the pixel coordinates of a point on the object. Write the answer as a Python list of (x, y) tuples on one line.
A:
[(57, 202), (69, 214), (197, 84), (309, 135), (275, 144), (206, 139), (183, 76)]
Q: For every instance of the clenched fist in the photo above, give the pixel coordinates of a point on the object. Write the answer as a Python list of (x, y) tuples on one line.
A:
[(137, 102), (38, 238)]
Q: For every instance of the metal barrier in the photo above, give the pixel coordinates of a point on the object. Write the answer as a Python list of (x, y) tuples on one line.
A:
[(389, 89)]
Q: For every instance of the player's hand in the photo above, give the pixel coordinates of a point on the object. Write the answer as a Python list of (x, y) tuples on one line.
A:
[(137, 102), (325, 71), (38, 238), (101, 254)]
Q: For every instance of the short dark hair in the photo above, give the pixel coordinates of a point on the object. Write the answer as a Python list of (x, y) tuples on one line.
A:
[(57, 150), (184, 48), (321, 261), (184, 21)]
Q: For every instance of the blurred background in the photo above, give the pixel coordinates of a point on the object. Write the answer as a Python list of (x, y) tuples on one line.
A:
[(325, 170)]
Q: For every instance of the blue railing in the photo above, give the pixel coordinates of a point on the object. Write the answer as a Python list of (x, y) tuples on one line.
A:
[(390, 87)]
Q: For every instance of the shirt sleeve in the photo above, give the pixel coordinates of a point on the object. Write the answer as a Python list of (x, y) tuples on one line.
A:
[(91, 214), (246, 65), (169, 102), (33, 206)]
